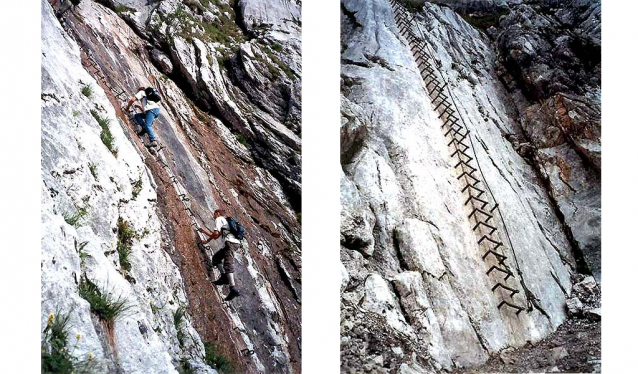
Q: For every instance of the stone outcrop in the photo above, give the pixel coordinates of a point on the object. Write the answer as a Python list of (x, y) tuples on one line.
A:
[(93, 59), (409, 253)]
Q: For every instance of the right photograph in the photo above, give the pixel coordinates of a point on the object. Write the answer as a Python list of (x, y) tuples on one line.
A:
[(470, 186)]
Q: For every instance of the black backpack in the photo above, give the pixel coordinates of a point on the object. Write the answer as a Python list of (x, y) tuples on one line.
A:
[(236, 228), (152, 94)]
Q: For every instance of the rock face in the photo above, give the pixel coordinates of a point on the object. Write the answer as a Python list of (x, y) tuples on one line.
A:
[(96, 188), (415, 276)]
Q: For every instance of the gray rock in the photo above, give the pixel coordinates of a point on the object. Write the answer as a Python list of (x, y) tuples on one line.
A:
[(508, 356), (558, 353), (586, 287), (79, 171), (593, 314), (399, 179), (574, 306), (162, 61)]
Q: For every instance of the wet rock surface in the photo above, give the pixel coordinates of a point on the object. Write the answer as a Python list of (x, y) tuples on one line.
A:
[(407, 246), (213, 167)]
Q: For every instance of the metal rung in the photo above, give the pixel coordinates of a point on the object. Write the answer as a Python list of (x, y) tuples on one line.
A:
[(448, 110), (477, 210), (519, 309), (479, 223), (440, 94), (449, 119), (466, 174), (459, 143), (501, 259), (472, 171), (462, 153), (452, 129), (481, 192), (479, 200), (485, 237), (437, 85), (513, 291), (442, 103), (507, 272)]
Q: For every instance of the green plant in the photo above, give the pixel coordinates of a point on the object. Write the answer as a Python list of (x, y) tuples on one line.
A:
[(241, 138), (185, 367), (484, 22), (93, 169), (55, 356), (299, 218), (76, 113), (119, 9), (216, 360), (137, 187), (277, 47), (105, 134), (125, 236), (83, 255), (87, 90), (178, 318), (104, 305), (154, 308), (74, 219)]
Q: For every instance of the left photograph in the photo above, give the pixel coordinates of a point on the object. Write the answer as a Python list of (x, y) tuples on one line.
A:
[(171, 186)]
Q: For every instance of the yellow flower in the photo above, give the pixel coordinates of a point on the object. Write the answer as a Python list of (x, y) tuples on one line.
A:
[(91, 355), (50, 320), (78, 336)]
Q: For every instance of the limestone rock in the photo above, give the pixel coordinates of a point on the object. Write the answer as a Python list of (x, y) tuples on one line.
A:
[(163, 62), (399, 188), (558, 353), (106, 180), (593, 314), (508, 355), (574, 306)]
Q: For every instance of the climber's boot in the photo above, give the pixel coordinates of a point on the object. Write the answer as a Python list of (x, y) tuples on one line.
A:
[(234, 292), (152, 144), (223, 279)]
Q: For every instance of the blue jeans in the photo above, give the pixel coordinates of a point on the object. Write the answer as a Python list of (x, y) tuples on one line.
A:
[(146, 121)]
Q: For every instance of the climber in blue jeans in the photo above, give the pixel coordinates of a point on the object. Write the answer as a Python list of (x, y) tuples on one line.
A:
[(149, 98)]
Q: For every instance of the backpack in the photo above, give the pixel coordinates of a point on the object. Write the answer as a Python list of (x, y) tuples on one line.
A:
[(236, 228), (152, 94)]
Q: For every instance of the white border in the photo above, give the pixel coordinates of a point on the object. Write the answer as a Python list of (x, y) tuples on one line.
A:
[(620, 183), (320, 191), (20, 187)]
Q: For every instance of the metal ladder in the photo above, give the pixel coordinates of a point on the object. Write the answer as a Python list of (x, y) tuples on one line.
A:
[(472, 182)]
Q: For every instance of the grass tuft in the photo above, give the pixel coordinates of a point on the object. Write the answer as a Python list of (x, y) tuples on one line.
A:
[(87, 90), (104, 305), (75, 219), (216, 360), (137, 187), (83, 255), (484, 22), (93, 169), (119, 9), (125, 236), (105, 135), (55, 356), (178, 319), (241, 138), (185, 367)]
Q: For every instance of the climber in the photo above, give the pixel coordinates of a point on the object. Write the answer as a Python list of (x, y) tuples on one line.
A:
[(149, 97), (232, 233)]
